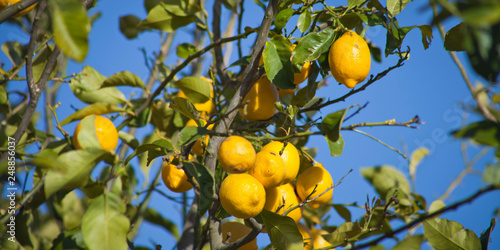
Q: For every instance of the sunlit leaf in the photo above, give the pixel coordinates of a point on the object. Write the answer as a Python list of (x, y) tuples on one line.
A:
[(128, 139), (189, 135), (354, 3), (447, 234), (71, 26), (161, 18), (185, 107), (231, 5), (412, 242), (282, 18), (312, 45), (196, 89), (336, 147), (124, 78), (92, 109), (344, 231), (40, 61), (104, 225), (304, 21), (385, 178), (277, 62), (436, 205), (282, 231), (129, 26), (415, 159), (396, 6), (492, 175), (87, 87), (161, 144), (184, 50)]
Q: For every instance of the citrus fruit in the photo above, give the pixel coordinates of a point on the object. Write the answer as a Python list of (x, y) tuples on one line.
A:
[(283, 198), (307, 181), (269, 169), (236, 154), (175, 178), (235, 231), (290, 156), (199, 146), (318, 241), (206, 107), (259, 101), (105, 131), (6, 3), (283, 92), (242, 196), (349, 59), (298, 78), (306, 236)]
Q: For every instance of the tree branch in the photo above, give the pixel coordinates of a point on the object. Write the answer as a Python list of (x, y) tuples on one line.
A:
[(15, 8), (219, 59)]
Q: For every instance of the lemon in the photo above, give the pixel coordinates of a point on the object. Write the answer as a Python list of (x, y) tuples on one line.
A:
[(283, 198), (290, 156), (206, 107), (258, 104), (236, 154), (6, 3), (309, 179), (175, 178), (318, 240), (349, 59), (105, 131), (306, 236), (235, 231), (200, 144), (299, 78), (269, 169), (242, 196)]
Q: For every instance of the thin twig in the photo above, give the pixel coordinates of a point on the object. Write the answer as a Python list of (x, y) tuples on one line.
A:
[(381, 142)]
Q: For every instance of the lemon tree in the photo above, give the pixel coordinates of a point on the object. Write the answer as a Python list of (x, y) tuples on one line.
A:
[(228, 127)]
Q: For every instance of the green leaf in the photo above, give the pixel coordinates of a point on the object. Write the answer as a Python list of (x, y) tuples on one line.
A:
[(242, 61), (412, 242), (231, 5), (312, 45), (128, 139), (480, 13), (71, 26), (492, 175), (343, 212), (207, 184), (396, 35), (181, 7), (485, 236), (142, 119), (351, 20), (15, 51), (353, 3), (304, 21), (282, 18), (162, 144), (92, 109), (277, 62), (396, 6), (484, 132), (384, 178), (104, 225), (189, 135), (124, 78), (447, 234), (153, 217), (129, 26), (344, 231), (39, 63), (4, 99), (69, 239), (196, 89), (306, 94), (72, 210), (185, 107), (436, 205), (87, 137), (150, 4), (336, 147), (457, 38), (87, 87), (282, 230), (332, 124), (184, 50), (161, 18), (415, 159), (79, 164)]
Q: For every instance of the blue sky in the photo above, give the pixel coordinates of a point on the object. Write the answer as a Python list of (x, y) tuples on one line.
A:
[(428, 85)]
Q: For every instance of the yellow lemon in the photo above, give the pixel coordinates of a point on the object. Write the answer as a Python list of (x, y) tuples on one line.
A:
[(259, 101), (283, 92), (306, 236), (105, 131), (236, 154), (349, 59), (175, 178), (206, 107), (298, 78), (269, 169), (6, 3), (318, 240), (283, 198), (290, 156), (235, 231), (242, 196), (315, 178), (199, 146)]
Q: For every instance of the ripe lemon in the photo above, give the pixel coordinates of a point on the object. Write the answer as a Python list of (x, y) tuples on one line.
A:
[(318, 241), (242, 196), (290, 156), (199, 146), (236, 154), (307, 180), (259, 101), (349, 59), (269, 169), (206, 107), (283, 92), (5, 3), (105, 131), (306, 236), (298, 78), (175, 178), (283, 198), (237, 230)]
